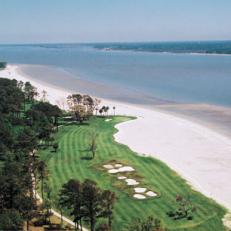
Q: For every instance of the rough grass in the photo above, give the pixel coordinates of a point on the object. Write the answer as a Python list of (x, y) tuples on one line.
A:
[(70, 162)]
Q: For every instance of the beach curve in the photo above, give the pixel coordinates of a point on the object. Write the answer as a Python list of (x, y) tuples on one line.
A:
[(198, 153)]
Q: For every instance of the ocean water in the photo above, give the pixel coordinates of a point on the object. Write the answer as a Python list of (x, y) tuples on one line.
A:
[(172, 72)]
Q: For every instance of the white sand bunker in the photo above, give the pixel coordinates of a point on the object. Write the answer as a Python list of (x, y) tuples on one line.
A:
[(140, 190), (126, 169), (113, 171), (108, 166), (121, 177), (119, 168), (139, 196), (151, 194), (131, 182), (118, 165), (107, 120), (122, 169)]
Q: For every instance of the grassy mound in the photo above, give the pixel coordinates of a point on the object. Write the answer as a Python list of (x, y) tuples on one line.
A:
[(72, 161)]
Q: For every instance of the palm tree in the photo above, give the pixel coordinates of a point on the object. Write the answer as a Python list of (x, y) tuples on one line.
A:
[(100, 111), (104, 109)]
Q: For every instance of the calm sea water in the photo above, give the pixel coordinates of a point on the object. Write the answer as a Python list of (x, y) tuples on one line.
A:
[(180, 77)]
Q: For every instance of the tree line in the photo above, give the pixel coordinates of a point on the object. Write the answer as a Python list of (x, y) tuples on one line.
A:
[(84, 106), (86, 202), (27, 125), (24, 123)]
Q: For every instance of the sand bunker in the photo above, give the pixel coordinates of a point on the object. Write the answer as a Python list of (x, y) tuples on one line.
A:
[(108, 166), (119, 168), (122, 169), (118, 165), (151, 194), (113, 171), (140, 190), (131, 182), (121, 177), (126, 169), (139, 196)]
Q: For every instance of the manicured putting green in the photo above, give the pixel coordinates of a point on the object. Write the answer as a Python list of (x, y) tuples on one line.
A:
[(71, 161)]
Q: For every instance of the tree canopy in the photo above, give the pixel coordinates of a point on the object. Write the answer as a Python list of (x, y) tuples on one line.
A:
[(3, 65), (87, 201), (20, 134), (82, 106), (11, 96)]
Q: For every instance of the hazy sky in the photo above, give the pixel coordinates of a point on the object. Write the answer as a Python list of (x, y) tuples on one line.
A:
[(25, 21)]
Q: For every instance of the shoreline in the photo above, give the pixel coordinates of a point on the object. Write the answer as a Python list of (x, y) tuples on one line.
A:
[(199, 154), (164, 52), (215, 117)]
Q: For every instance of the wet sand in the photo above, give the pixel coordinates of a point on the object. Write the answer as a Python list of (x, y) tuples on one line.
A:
[(215, 117)]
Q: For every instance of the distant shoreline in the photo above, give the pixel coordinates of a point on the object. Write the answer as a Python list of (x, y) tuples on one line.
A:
[(166, 52), (171, 47), (213, 47), (145, 76)]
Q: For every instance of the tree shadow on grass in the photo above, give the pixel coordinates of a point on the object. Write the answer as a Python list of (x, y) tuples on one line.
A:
[(83, 124), (85, 154), (86, 158), (76, 123), (49, 156)]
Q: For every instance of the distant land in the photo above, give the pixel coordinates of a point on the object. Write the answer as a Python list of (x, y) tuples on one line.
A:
[(194, 47), (201, 47)]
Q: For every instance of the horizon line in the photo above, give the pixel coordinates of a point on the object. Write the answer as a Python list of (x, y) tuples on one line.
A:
[(144, 41)]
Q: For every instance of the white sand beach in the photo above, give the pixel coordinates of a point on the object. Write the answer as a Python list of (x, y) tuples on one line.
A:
[(199, 154)]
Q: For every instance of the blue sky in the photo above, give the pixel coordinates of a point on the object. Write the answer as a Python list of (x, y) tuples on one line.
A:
[(25, 21)]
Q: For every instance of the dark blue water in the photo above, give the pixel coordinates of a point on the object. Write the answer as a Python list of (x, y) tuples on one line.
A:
[(178, 77)]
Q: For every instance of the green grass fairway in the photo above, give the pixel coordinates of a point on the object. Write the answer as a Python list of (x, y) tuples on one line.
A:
[(69, 163)]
